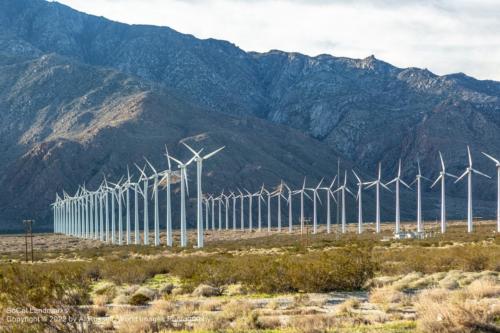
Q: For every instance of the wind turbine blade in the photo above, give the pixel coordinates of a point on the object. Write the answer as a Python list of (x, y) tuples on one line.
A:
[(462, 176), (175, 160), (333, 182), (330, 193), (383, 185), (193, 158), (349, 191), (320, 182), (307, 195), (436, 181), (449, 174), (404, 183), (480, 173), (370, 185), (492, 158), (392, 181), (186, 181), (413, 182), (442, 161), (140, 170), (399, 169), (191, 149), (213, 153), (345, 177), (357, 177), (317, 196), (379, 170), (168, 158), (469, 155), (304, 185), (418, 165), (150, 165)]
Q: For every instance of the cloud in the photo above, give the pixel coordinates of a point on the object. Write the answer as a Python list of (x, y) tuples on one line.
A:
[(444, 36)]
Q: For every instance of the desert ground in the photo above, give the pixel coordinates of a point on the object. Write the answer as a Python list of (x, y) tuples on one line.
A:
[(257, 281)]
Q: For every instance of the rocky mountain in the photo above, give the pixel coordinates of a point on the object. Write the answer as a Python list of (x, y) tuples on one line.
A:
[(81, 95)]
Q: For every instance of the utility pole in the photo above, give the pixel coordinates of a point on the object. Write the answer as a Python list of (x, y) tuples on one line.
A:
[(28, 229)]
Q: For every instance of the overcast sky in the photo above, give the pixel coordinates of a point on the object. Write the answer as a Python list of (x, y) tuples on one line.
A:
[(445, 36)]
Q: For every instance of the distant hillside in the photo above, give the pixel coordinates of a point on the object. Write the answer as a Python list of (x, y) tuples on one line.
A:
[(78, 95)]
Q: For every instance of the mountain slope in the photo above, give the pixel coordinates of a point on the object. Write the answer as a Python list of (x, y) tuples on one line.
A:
[(73, 84)]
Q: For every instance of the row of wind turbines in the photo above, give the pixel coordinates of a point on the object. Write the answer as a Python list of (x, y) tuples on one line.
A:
[(92, 214), (86, 214)]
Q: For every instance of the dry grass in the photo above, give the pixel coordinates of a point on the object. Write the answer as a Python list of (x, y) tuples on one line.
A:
[(465, 310), (347, 307)]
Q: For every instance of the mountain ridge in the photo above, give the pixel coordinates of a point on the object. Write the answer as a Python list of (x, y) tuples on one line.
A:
[(86, 69)]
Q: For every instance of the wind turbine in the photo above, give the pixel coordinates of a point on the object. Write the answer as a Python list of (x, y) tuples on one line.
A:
[(315, 195), (269, 194), (328, 209), (234, 210), (220, 203), (259, 212), (279, 193), (396, 182), (302, 193), (359, 198), (242, 217), (342, 189), (442, 177), (184, 190), (289, 201), (418, 181), (226, 200), (156, 207), (468, 172), (212, 199), (378, 183), (199, 166), (144, 193), (250, 206), (497, 165)]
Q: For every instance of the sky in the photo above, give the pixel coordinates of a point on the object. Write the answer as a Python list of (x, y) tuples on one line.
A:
[(444, 36)]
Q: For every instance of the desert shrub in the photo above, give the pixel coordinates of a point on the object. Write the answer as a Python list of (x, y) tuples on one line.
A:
[(204, 290), (386, 295), (138, 299), (455, 312), (59, 287)]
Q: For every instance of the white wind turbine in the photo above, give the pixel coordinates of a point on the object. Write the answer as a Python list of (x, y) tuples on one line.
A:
[(259, 207), (117, 193), (468, 172), (290, 214), (497, 165), (155, 177), (199, 167), (442, 177), (315, 196), (242, 208), (144, 193), (234, 210), (396, 182), (302, 193), (359, 198), (220, 203), (418, 181), (212, 201), (342, 189), (279, 193), (250, 206), (329, 193), (184, 191), (269, 194), (377, 183), (226, 205)]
